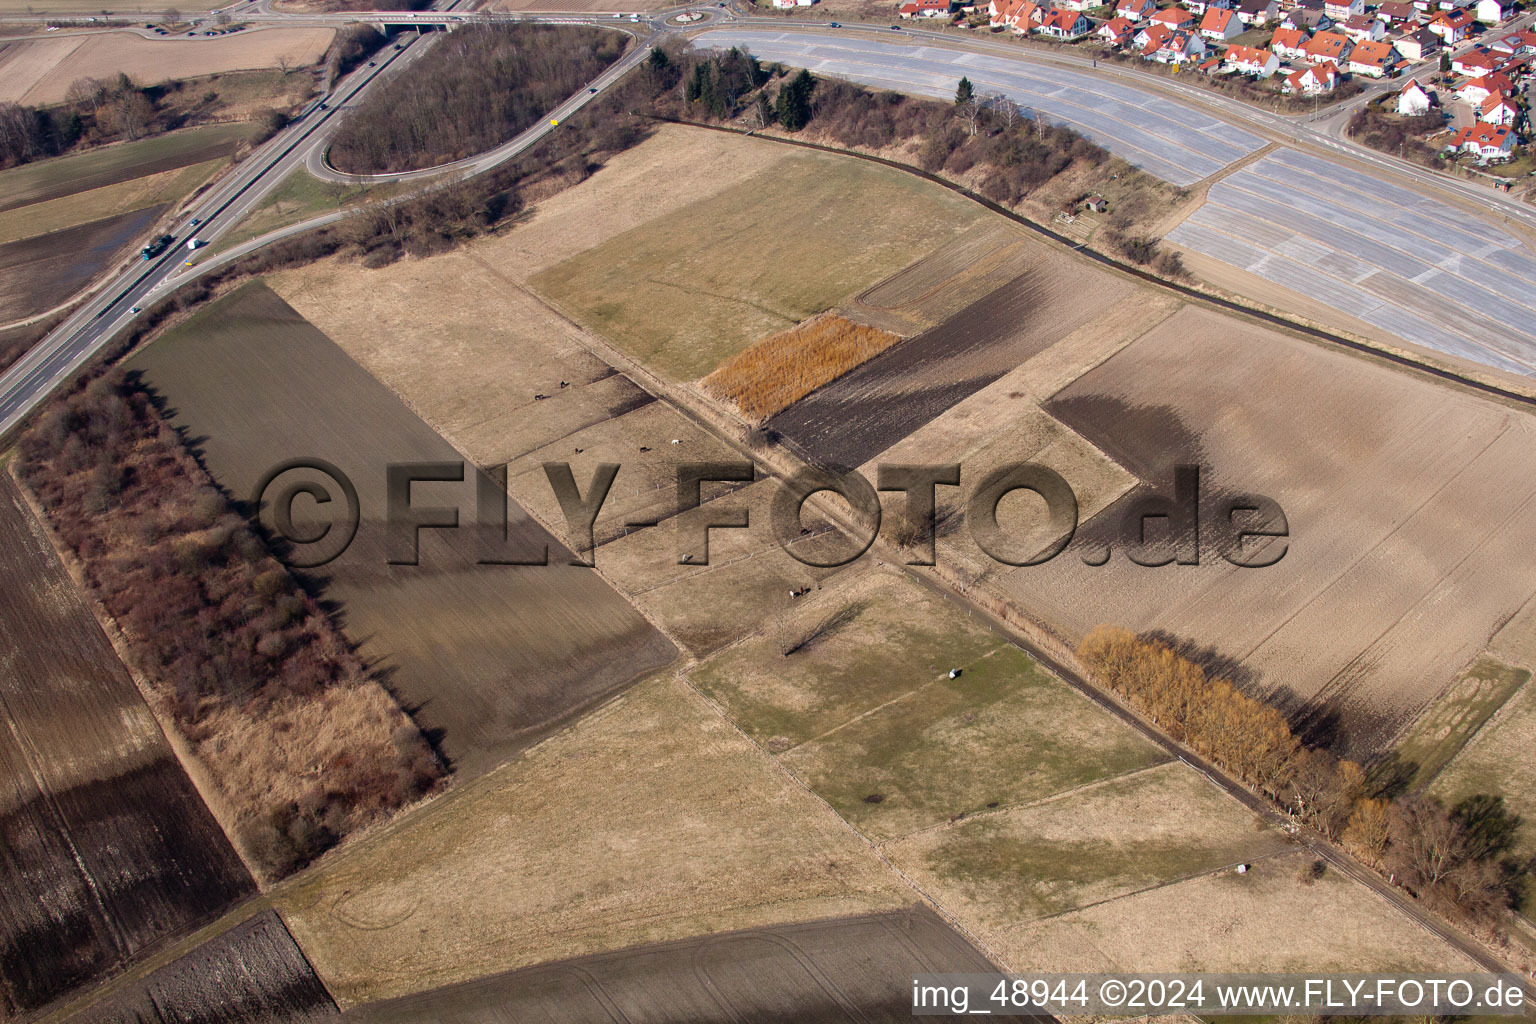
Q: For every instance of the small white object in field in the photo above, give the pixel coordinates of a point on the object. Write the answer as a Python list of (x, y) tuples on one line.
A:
[(954, 673), (1242, 869)]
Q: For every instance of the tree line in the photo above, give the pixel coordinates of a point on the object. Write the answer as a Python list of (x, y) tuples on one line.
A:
[(216, 624), (475, 89), (1458, 859)]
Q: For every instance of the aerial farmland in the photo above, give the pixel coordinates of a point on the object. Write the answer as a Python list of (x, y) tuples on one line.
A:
[(757, 520)]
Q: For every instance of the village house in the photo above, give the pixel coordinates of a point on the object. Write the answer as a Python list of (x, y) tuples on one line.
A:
[(1489, 12), (1397, 12), (1172, 46), (1418, 45), (1498, 109), (1476, 90), (924, 9), (1250, 60), (1487, 142), (1257, 13), (1135, 10), (1289, 43), (1339, 10), (1327, 46), (1414, 100), (1201, 6), (1363, 28), (1451, 26), (1475, 63), (1065, 24), (1311, 81), (1174, 18), (1116, 31), (1307, 19), (1376, 60), (1220, 24)]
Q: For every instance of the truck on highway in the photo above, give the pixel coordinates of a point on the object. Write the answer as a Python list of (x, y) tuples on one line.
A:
[(195, 243), (156, 247)]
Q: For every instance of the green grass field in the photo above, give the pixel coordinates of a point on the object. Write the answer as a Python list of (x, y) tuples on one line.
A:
[(299, 196), (1444, 730), (867, 709), (685, 291), (166, 187)]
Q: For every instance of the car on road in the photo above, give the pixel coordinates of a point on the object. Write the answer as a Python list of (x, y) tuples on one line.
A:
[(895, 28), (373, 63), (196, 221), (834, 25), (592, 91), (399, 46), (136, 309)]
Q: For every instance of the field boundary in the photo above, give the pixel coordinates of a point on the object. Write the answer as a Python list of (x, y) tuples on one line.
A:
[(1267, 317)]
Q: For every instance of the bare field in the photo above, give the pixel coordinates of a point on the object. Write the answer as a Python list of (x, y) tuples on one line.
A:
[(488, 657), (1004, 869), (585, 835), (474, 378), (944, 282), (107, 846), (45, 180), (37, 274), (1266, 920), (49, 72), (864, 412), (253, 973), (839, 971), (694, 164), (682, 292), (1408, 508)]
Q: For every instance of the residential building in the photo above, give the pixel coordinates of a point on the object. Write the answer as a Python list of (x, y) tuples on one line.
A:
[(1414, 100), (1329, 46), (1476, 90), (1257, 13), (1377, 60), (1487, 142), (1135, 10), (1363, 28), (1289, 43), (1116, 31), (1475, 63), (1451, 26), (1418, 45), (924, 9), (1201, 6), (1174, 18), (1396, 12), (1498, 109), (1489, 12), (1220, 24), (1064, 24), (1251, 60), (1311, 81), (1339, 10), (1173, 46)]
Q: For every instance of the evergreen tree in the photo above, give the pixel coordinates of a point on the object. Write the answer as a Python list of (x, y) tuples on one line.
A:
[(794, 108), (964, 93)]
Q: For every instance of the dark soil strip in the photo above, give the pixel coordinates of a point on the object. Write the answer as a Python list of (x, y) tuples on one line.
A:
[(822, 972), (254, 973), (39, 273)]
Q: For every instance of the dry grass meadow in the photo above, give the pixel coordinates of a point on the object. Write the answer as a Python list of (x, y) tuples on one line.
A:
[(39, 71), (650, 819), (687, 290), (780, 370)]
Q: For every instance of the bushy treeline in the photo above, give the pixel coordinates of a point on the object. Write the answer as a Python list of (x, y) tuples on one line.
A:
[(94, 111), (1400, 135), (475, 89), (304, 744), (1456, 859)]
